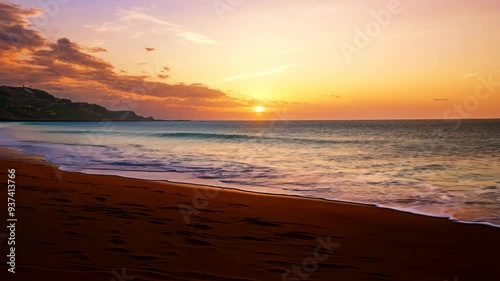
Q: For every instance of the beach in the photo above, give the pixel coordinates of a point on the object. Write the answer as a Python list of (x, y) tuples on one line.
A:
[(250, 140), (74, 226)]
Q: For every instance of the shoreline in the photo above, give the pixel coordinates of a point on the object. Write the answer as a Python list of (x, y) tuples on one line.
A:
[(89, 225), (201, 185), (376, 205)]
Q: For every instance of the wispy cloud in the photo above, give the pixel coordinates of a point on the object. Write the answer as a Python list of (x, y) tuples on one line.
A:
[(195, 38), (269, 72), (109, 26), (470, 75), (323, 8), (136, 35), (286, 51), (129, 18)]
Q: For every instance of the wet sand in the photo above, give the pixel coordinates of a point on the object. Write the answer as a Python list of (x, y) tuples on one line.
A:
[(74, 226)]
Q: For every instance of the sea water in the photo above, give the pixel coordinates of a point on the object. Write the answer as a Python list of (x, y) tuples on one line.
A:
[(434, 167)]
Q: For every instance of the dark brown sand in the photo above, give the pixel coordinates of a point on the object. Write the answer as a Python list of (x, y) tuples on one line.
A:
[(73, 226)]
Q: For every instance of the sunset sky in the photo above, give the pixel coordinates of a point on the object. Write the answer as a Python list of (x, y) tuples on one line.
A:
[(206, 59)]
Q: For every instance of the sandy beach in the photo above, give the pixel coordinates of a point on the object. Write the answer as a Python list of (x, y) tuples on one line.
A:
[(74, 226), (234, 140)]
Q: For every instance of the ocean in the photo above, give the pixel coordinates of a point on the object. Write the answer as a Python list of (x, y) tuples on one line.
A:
[(433, 167)]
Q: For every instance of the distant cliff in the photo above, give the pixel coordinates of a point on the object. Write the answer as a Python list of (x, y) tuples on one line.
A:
[(26, 104)]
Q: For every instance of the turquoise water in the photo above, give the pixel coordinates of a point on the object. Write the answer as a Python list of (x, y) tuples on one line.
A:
[(430, 167)]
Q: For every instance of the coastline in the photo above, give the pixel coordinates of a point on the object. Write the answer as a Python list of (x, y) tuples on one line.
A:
[(201, 185), (86, 226), (179, 178), (460, 197)]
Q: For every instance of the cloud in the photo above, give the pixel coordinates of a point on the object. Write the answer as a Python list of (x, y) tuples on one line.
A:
[(470, 75), (95, 49), (269, 72), (441, 99), (150, 49), (136, 35), (129, 18), (320, 9), (286, 51), (276, 70), (109, 26), (64, 60), (160, 26), (69, 70), (195, 38), (64, 51), (14, 32)]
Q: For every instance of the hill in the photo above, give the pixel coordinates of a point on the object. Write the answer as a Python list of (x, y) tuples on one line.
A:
[(26, 104)]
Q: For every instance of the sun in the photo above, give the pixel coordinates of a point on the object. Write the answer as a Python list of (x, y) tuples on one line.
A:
[(258, 109)]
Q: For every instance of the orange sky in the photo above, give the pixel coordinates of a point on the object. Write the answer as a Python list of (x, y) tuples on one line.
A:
[(206, 59)]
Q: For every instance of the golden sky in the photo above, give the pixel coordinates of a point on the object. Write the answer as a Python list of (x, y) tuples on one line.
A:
[(206, 59)]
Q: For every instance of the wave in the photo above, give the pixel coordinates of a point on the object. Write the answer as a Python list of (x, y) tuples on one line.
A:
[(205, 136), (255, 137), (86, 131)]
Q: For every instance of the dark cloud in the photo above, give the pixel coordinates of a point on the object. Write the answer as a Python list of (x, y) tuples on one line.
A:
[(166, 68), (14, 32), (65, 51), (163, 76), (150, 49), (441, 100)]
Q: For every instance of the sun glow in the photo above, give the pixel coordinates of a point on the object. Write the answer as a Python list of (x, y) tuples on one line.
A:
[(258, 109)]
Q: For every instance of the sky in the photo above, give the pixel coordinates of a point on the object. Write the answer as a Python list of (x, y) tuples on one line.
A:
[(229, 59)]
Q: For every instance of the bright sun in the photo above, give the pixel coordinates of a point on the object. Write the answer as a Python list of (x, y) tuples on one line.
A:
[(258, 109)]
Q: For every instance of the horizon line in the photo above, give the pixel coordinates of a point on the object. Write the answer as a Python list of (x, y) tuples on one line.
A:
[(253, 120)]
